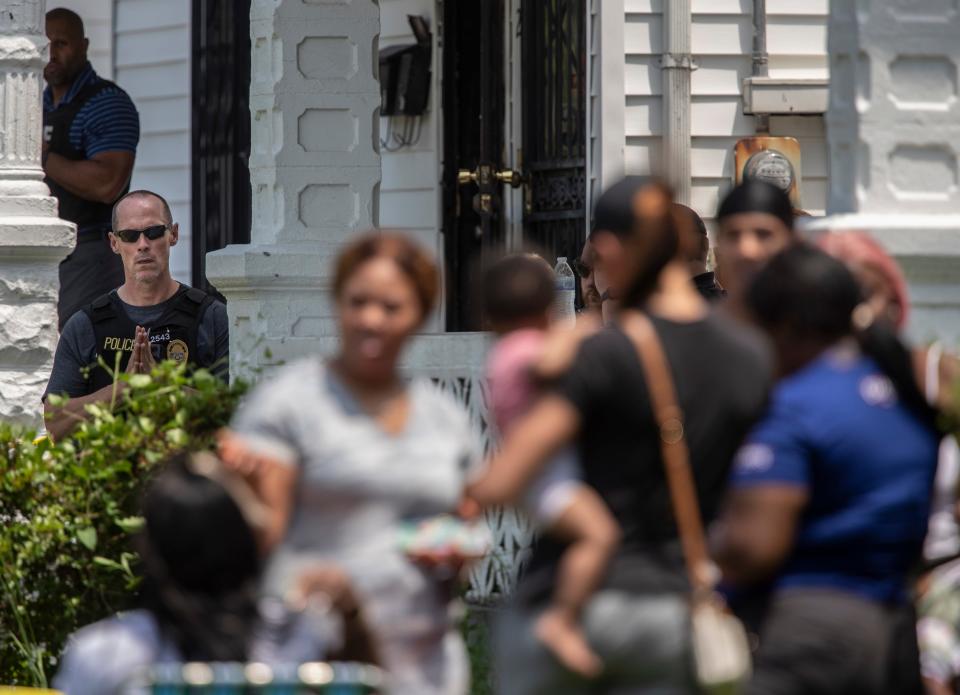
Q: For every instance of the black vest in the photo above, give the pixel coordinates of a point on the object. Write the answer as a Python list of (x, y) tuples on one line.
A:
[(172, 337), (56, 131)]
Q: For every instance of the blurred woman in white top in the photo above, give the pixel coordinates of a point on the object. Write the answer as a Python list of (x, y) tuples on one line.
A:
[(344, 451)]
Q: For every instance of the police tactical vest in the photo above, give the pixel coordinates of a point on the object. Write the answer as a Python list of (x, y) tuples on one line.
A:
[(56, 127), (172, 337)]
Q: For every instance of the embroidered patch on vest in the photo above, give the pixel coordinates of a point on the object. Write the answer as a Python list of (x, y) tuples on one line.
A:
[(118, 344), (177, 351)]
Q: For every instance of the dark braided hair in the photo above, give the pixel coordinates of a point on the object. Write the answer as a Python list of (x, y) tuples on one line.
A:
[(201, 565)]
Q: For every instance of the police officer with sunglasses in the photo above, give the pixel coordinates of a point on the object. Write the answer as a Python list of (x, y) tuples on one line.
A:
[(151, 317)]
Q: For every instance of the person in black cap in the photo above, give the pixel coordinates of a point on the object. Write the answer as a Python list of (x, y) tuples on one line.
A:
[(704, 280), (755, 221)]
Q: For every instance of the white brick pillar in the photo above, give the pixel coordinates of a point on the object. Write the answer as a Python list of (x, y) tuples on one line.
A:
[(314, 171), (33, 240), (893, 128)]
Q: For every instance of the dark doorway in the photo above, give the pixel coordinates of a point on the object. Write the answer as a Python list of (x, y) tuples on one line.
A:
[(221, 128), (553, 82), (473, 97)]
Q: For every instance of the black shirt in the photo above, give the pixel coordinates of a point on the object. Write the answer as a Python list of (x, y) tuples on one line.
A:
[(722, 373)]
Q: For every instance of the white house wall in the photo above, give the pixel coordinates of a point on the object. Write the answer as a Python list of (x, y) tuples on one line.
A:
[(410, 184), (722, 36), (152, 62)]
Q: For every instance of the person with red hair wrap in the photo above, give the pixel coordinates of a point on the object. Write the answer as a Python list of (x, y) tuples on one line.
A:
[(879, 275)]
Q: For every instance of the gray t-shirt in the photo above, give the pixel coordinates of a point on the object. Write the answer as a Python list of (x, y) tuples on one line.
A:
[(77, 348), (356, 486)]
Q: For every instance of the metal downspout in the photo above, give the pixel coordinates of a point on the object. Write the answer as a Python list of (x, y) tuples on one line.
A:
[(761, 59), (676, 66)]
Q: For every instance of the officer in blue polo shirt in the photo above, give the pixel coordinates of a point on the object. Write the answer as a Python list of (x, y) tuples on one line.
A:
[(90, 135)]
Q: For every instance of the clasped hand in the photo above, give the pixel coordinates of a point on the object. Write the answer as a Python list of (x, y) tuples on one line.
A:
[(141, 359)]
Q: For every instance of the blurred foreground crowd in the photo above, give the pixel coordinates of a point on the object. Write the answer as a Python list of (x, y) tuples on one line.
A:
[(769, 449)]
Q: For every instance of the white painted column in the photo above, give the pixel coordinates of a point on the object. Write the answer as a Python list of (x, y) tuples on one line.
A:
[(314, 170), (608, 85), (33, 240), (676, 64), (893, 129)]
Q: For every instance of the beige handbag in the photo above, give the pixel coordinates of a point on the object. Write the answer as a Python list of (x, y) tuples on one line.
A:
[(721, 651)]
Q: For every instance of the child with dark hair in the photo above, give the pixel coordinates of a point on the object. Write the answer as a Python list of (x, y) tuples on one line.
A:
[(518, 295), (201, 566)]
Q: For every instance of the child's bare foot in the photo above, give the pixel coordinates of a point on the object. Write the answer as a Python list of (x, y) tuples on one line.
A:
[(563, 636)]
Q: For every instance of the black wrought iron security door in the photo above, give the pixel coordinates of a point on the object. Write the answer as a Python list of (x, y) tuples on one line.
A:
[(554, 124), (221, 128)]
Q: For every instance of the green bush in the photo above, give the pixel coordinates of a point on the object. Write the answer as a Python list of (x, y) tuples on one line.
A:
[(67, 510)]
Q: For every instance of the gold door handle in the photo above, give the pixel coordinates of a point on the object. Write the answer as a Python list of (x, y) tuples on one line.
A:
[(512, 178), (485, 174)]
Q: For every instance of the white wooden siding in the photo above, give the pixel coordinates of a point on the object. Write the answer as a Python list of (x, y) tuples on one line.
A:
[(410, 191), (722, 35), (606, 83), (97, 16), (594, 104), (152, 62)]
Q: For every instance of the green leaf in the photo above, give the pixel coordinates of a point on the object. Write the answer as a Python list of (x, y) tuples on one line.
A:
[(88, 536), (152, 456), (130, 524), (97, 410), (107, 562), (139, 381), (146, 424), (202, 376), (177, 437), (125, 563), (80, 472)]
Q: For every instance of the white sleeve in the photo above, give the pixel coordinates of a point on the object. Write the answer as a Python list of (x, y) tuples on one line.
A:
[(105, 658)]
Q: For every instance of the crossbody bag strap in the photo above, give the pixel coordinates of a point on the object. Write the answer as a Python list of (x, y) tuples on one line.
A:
[(674, 450)]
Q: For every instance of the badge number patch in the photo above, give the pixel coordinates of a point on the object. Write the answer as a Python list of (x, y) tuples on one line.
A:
[(177, 351)]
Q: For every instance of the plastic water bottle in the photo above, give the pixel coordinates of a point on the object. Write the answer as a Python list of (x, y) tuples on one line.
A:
[(564, 309)]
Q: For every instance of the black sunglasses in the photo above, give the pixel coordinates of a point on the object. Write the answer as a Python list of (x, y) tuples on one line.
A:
[(581, 268), (152, 233)]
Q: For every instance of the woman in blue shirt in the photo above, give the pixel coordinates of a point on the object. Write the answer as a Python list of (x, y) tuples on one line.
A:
[(830, 495)]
